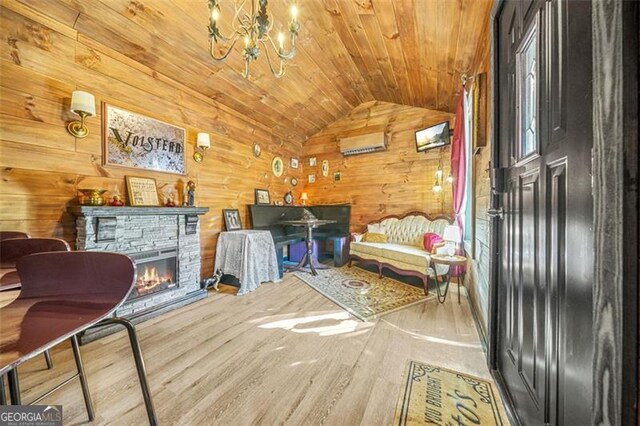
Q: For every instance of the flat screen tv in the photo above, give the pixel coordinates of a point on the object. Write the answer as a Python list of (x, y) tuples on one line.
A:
[(433, 137)]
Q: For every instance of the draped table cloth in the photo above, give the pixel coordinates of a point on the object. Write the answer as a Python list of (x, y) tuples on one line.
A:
[(250, 256)]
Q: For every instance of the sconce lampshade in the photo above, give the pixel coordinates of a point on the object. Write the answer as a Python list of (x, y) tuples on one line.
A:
[(451, 233), (304, 197), (203, 141), (83, 102)]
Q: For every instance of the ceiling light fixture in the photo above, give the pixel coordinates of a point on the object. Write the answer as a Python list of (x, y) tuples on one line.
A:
[(254, 29)]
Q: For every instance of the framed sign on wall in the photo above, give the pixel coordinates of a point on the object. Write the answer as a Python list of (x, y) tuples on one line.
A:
[(133, 140), (142, 191)]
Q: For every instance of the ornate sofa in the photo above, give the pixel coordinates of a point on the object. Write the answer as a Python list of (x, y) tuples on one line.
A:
[(404, 251)]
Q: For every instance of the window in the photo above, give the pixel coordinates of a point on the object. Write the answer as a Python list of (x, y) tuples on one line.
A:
[(527, 64)]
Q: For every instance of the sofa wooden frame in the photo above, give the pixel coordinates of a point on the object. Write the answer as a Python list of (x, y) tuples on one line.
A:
[(406, 272)]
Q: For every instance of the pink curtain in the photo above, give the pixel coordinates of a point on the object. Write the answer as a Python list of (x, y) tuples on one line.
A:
[(459, 169)]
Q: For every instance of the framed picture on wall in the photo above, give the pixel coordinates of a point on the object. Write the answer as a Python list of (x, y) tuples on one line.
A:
[(294, 163), (263, 196), (136, 141)]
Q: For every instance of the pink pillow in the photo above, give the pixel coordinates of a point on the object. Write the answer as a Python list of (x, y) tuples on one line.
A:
[(430, 239)]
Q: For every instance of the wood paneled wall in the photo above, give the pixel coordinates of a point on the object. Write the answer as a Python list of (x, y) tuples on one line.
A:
[(42, 61), (479, 275), (378, 184)]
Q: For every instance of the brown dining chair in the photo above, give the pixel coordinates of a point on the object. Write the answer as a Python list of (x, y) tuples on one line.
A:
[(6, 235), (13, 249), (64, 294)]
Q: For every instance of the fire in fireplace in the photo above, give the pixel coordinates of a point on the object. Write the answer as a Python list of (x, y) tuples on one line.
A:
[(156, 272)]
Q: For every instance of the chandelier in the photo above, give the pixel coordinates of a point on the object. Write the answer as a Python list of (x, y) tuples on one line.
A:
[(254, 29)]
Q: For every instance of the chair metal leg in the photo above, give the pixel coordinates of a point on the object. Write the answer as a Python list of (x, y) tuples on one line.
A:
[(83, 378), (142, 375), (3, 394), (47, 357), (14, 387)]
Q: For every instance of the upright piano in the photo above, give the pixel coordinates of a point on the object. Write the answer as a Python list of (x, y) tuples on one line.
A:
[(332, 238)]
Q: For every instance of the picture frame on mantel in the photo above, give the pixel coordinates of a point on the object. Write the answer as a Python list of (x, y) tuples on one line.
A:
[(142, 191), (136, 141)]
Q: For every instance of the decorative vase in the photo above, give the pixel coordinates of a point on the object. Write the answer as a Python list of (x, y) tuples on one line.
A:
[(92, 197)]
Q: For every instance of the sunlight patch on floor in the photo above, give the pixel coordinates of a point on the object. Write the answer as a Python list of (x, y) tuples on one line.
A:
[(433, 339), (331, 324)]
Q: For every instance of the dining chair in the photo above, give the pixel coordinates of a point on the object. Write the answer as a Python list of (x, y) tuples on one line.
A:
[(5, 235), (64, 294), (13, 249)]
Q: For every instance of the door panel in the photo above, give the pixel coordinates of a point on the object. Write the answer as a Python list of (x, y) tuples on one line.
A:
[(546, 243)]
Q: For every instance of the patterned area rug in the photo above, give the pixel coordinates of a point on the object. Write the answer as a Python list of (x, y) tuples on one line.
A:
[(435, 395), (362, 293)]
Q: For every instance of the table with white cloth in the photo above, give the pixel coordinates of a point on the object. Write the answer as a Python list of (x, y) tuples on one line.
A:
[(249, 255)]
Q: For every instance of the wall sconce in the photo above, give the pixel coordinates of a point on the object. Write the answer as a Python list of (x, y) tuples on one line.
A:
[(83, 104), (304, 198), (203, 143)]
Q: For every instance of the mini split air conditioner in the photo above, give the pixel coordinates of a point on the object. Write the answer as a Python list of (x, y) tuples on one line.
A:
[(362, 144)]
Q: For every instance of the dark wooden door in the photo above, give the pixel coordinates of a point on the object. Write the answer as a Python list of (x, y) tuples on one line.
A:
[(544, 348)]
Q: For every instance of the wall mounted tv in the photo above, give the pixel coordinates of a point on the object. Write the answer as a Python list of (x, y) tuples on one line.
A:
[(433, 137)]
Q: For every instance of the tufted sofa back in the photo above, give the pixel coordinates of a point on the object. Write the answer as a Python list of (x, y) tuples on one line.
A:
[(410, 230)]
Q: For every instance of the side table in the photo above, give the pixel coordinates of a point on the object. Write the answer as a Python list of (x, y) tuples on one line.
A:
[(450, 261), (249, 255)]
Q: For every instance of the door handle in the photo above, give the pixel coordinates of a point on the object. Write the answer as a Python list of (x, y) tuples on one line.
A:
[(499, 213)]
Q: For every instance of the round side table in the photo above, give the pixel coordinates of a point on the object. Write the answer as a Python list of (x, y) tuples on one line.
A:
[(450, 261)]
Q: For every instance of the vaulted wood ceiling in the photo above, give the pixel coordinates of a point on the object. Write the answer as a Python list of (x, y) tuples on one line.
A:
[(410, 52)]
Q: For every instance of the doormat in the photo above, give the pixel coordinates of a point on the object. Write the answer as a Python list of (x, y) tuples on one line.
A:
[(436, 395), (361, 293)]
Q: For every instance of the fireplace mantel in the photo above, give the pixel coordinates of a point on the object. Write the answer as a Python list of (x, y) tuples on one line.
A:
[(108, 211)]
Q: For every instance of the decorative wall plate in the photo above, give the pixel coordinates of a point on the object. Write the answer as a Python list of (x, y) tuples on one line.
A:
[(277, 166), (294, 182), (288, 198), (197, 157), (325, 168)]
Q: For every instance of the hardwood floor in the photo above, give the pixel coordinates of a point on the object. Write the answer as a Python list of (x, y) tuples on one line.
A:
[(282, 354)]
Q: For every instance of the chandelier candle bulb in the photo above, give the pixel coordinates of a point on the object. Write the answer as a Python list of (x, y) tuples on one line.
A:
[(294, 13), (281, 40)]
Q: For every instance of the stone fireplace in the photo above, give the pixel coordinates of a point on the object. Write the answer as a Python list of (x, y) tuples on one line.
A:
[(164, 243)]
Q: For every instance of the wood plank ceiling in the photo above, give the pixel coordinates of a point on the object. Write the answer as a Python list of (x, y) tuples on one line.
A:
[(409, 52)]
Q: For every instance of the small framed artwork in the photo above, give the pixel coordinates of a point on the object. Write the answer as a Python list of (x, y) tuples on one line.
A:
[(294, 163), (294, 181), (262, 196), (312, 178), (337, 177), (277, 166), (142, 191), (325, 168), (256, 150), (232, 220), (312, 161)]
